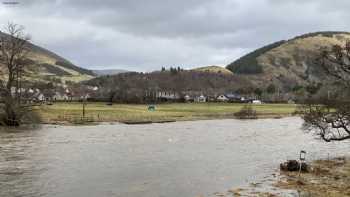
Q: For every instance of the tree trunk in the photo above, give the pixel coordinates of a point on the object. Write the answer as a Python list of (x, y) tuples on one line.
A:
[(11, 116)]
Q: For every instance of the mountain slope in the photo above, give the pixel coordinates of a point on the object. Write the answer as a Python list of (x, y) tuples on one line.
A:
[(45, 66), (249, 64), (289, 63), (109, 72), (213, 69)]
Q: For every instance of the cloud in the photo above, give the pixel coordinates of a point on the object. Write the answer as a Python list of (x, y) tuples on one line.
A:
[(146, 35)]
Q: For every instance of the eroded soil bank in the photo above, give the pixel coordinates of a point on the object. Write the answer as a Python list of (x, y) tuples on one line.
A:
[(328, 178)]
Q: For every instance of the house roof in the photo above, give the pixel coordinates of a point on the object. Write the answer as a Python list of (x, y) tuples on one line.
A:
[(233, 96)]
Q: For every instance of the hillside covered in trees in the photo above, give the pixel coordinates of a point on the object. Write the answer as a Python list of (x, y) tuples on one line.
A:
[(249, 64), (133, 87), (290, 64)]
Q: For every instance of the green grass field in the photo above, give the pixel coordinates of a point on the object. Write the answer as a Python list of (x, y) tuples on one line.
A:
[(100, 112)]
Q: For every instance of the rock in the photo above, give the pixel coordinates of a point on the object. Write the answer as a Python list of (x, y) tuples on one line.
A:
[(294, 165)]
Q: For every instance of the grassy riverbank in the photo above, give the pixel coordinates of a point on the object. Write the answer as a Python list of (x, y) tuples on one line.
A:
[(328, 178), (100, 112)]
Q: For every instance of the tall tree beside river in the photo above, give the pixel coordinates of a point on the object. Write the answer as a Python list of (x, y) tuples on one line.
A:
[(13, 54)]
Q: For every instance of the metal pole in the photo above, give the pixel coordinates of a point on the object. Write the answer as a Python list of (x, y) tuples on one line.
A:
[(83, 108), (301, 160)]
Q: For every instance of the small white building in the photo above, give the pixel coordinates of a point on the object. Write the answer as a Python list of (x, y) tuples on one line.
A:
[(257, 102), (60, 97), (40, 97), (168, 95), (31, 91), (187, 98), (222, 98), (201, 99)]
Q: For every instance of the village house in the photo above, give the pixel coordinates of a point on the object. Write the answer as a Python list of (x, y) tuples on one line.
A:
[(60, 96), (195, 96), (200, 99), (167, 95), (211, 98), (257, 102), (32, 95), (38, 97), (222, 98), (234, 97), (188, 98)]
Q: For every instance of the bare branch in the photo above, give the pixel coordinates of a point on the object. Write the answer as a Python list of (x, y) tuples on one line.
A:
[(14, 49)]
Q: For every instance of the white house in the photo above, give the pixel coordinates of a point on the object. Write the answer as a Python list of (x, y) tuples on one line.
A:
[(60, 97), (201, 99), (30, 91), (169, 95), (258, 102), (222, 98), (187, 98), (40, 97)]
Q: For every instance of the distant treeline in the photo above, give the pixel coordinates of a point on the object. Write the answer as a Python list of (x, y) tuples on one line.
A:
[(322, 33), (141, 87)]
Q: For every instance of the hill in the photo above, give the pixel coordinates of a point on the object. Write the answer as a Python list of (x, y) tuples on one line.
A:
[(289, 63), (213, 69), (45, 66), (103, 72)]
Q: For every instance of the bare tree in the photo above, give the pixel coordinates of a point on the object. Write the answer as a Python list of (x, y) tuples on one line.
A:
[(330, 117), (330, 120), (13, 52), (336, 62)]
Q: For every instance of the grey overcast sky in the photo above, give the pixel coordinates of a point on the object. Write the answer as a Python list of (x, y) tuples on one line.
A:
[(144, 35)]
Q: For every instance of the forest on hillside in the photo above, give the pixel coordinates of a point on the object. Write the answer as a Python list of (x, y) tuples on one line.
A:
[(139, 87), (132, 87)]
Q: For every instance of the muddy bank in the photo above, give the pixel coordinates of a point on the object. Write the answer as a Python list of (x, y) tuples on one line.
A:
[(328, 178), (324, 178)]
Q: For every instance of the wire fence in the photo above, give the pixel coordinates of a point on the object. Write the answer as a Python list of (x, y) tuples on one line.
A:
[(78, 119)]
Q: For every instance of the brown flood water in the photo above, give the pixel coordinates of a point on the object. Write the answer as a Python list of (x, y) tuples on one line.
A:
[(182, 159)]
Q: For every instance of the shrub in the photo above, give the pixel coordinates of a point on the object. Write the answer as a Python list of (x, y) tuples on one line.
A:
[(247, 112)]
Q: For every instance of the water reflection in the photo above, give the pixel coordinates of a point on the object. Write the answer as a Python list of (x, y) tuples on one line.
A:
[(175, 159)]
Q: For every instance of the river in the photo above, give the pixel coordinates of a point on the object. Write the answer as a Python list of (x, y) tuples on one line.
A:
[(181, 159)]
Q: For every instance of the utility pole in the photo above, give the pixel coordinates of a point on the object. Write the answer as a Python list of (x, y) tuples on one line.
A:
[(84, 103), (20, 86)]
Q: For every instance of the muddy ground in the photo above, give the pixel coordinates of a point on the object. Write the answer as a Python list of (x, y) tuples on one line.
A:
[(328, 178)]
